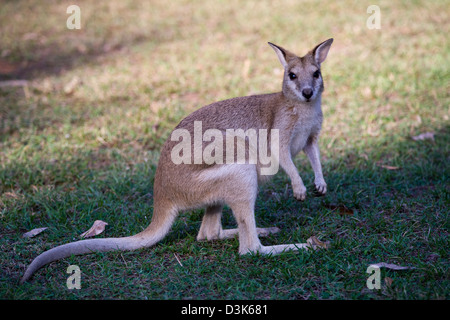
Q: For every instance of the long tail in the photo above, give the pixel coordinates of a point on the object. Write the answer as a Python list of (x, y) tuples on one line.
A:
[(157, 229)]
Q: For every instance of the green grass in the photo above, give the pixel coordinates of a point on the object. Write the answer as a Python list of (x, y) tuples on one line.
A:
[(69, 157)]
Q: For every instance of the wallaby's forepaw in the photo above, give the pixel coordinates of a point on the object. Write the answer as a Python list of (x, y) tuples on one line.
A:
[(321, 188), (300, 193)]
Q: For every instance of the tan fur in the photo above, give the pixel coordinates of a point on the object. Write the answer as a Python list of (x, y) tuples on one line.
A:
[(186, 186)]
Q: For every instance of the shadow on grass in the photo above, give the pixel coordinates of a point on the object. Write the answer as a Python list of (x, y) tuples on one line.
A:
[(43, 54), (419, 178), (55, 59), (395, 215)]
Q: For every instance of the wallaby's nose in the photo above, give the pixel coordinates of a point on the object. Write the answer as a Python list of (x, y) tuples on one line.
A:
[(307, 93)]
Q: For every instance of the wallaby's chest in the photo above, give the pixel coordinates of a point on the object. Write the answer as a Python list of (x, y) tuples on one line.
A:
[(307, 125)]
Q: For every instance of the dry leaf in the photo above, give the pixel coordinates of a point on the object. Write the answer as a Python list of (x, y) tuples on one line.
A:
[(13, 83), (389, 167), (424, 136), (7, 67), (11, 195), (388, 281), (390, 266), (70, 87), (340, 209), (97, 228), (34, 232), (315, 243)]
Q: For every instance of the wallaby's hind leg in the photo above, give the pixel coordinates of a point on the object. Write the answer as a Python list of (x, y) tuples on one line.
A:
[(241, 199), (242, 202), (248, 234), (211, 228), (243, 209)]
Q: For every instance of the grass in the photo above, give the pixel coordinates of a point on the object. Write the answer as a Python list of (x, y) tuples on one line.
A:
[(81, 142)]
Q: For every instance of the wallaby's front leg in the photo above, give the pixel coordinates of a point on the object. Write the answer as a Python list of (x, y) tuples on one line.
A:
[(298, 187), (312, 151)]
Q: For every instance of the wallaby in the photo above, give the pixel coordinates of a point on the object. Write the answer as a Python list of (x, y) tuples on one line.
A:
[(294, 113)]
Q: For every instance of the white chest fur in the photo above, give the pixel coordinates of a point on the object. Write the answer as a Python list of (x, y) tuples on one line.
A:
[(308, 124)]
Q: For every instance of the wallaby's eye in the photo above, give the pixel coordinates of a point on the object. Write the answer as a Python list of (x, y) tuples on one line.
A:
[(316, 74), (292, 76)]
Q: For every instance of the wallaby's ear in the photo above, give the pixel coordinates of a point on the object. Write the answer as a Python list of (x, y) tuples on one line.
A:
[(281, 53), (320, 52)]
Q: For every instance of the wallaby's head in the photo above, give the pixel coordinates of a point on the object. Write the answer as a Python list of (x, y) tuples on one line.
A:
[(302, 77)]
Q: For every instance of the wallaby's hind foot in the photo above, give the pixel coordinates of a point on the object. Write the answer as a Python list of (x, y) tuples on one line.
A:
[(231, 233), (277, 249), (262, 232), (311, 244)]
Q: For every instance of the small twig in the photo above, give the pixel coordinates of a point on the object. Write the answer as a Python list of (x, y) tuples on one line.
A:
[(126, 264), (176, 257)]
